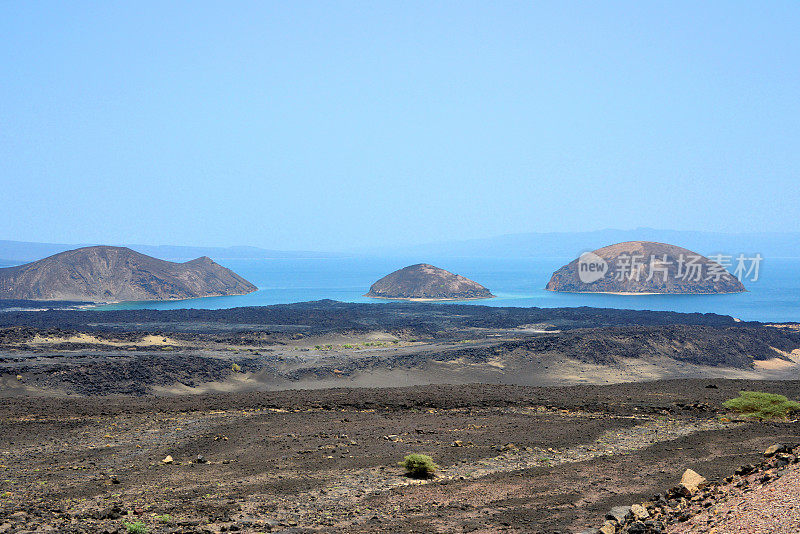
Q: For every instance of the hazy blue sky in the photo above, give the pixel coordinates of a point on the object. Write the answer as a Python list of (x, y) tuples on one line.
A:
[(325, 125)]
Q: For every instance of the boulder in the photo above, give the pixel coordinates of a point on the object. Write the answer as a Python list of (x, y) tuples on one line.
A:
[(772, 450), (692, 482), (640, 512), (618, 513), (745, 470), (111, 512)]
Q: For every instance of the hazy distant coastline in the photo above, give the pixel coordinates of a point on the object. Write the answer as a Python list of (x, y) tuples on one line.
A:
[(541, 245)]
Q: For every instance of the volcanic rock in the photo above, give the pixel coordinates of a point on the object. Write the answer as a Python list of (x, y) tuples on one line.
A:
[(772, 450), (618, 513), (639, 512), (426, 282), (692, 482)]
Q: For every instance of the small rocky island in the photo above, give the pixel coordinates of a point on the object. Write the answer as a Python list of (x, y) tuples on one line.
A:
[(115, 274), (643, 267), (426, 282)]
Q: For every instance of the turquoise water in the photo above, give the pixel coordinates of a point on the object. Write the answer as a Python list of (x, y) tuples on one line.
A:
[(516, 282)]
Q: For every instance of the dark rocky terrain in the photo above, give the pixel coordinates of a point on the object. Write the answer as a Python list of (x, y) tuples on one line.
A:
[(258, 419), (330, 315), (57, 361), (756, 497), (426, 282), (674, 270), (109, 274), (514, 459), (331, 344)]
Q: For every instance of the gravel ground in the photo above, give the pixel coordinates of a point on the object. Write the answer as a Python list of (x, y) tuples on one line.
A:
[(529, 459), (770, 509)]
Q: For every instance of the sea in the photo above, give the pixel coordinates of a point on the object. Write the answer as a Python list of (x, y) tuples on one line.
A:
[(774, 296)]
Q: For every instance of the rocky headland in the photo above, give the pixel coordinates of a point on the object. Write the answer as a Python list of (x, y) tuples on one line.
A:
[(113, 274)]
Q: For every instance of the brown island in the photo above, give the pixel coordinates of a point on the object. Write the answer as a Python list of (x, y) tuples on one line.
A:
[(644, 267), (114, 274), (427, 282)]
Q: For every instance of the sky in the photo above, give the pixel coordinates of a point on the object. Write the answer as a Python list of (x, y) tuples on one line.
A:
[(334, 125)]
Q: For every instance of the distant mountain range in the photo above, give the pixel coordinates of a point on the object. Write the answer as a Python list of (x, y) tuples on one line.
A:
[(555, 245), (572, 244)]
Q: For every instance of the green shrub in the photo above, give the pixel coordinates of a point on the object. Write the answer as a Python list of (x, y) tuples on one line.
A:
[(135, 528), (165, 518), (419, 466), (236, 368), (761, 405)]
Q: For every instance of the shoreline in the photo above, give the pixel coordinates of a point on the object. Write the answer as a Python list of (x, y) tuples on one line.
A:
[(638, 293), (429, 300)]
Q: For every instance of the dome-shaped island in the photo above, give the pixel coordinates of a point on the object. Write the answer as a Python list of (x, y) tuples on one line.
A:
[(426, 282), (645, 267)]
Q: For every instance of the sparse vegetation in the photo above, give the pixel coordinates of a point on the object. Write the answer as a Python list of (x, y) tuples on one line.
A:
[(135, 528), (760, 405), (236, 368), (419, 466), (164, 518)]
